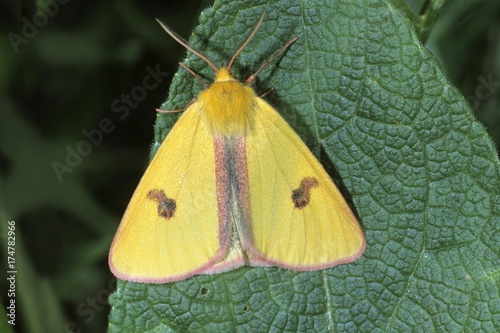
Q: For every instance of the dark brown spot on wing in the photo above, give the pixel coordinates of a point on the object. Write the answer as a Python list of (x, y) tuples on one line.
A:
[(302, 195), (166, 206)]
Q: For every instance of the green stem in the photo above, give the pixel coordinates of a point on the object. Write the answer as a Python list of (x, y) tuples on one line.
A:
[(429, 15), (423, 22)]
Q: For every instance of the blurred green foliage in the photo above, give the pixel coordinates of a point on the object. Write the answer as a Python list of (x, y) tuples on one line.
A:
[(63, 77)]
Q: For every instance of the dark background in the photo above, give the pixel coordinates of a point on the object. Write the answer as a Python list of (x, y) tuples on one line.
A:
[(60, 80)]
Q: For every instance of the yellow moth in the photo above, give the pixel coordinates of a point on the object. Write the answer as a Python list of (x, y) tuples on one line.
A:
[(232, 184)]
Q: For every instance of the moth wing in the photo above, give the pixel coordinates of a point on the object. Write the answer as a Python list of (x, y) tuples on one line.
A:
[(160, 240), (324, 232)]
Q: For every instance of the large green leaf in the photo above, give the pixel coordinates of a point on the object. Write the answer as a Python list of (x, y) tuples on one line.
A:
[(420, 172)]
